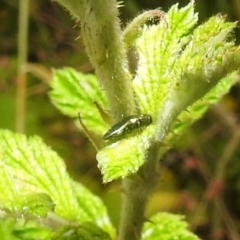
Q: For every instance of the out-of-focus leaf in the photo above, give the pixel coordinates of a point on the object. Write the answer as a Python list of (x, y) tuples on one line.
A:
[(35, 168), (22, 230), (167, 226), (33, 180), (86, 231), (74, 92)]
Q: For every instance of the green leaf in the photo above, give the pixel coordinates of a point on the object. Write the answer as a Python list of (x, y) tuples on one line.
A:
[(178, 65), (74, 92), (158, 49), (167, 226), (196, 111), (92, 208), (33, 180), (86, 231), (35, 168), (37, 204), (22, 230), (124, 157)]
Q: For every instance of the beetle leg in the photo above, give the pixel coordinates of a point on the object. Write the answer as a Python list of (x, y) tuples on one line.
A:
[(128, 129), (139, 125)]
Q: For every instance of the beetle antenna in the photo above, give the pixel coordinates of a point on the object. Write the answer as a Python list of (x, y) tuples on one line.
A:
[(90, 135)]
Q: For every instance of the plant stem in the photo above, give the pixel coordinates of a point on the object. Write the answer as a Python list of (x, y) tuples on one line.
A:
[(134, 28), (22, 59), (102, 36), (136, 192)]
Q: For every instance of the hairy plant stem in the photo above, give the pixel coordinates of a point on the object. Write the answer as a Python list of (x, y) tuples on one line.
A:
[(102, 36), (136, 192)]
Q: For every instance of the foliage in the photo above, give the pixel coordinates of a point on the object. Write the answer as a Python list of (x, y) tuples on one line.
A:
[(181, 71), (165, 226), (38, 184), (45, 203), (175, 62)]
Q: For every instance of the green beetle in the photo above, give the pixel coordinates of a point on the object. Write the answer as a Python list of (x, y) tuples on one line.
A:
[(126, 126)]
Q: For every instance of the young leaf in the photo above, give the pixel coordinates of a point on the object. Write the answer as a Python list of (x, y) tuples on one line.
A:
[(176, 66), (195, 111), (159, 47), (124, 157), (37, 204), (74, 92), (168, 227)]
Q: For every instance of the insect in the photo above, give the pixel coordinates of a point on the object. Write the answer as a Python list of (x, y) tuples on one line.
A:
[(126, 126)]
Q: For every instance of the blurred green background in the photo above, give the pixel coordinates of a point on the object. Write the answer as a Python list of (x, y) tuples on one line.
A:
[(200, 175)]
